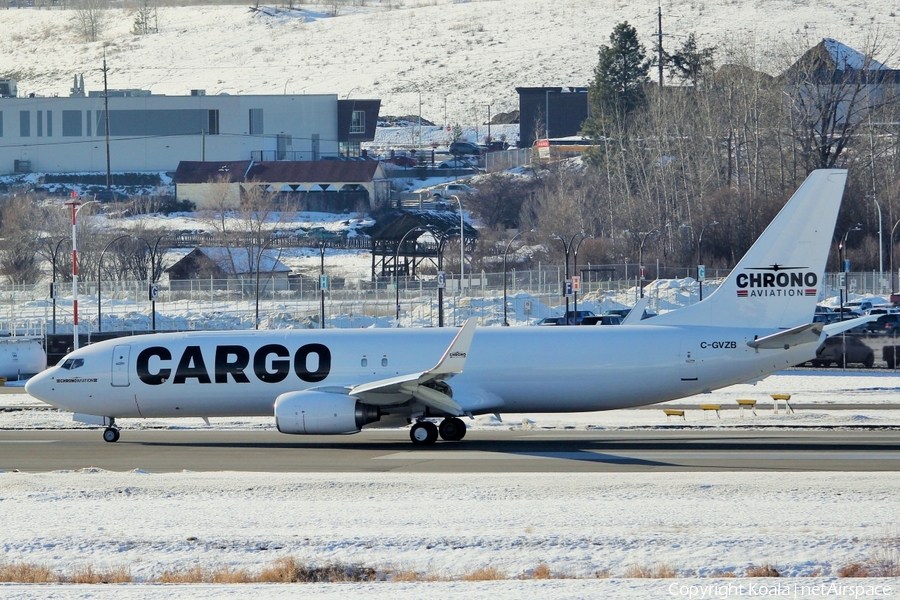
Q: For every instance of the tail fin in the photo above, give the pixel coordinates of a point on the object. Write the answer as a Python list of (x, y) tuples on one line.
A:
[(776, 284)]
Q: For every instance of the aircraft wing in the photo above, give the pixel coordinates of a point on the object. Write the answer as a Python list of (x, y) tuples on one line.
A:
[(396, 390), (802, 334)]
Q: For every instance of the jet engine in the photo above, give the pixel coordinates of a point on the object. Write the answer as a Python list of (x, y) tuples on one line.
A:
[(321, 413)]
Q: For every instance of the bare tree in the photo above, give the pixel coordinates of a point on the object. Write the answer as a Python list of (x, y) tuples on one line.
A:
[(90, 17)]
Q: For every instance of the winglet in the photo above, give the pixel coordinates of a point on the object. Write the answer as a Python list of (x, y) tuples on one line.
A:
[(454, 358), (636, 313)]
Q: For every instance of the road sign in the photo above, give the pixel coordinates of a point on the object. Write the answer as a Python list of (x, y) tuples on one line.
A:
[(701, 272), (154, 292), (643, 273), (323, 282), (442, 279), (567, 287), (576, 283)]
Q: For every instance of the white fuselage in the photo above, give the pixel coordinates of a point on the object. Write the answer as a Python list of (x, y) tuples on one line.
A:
[(509, 369)]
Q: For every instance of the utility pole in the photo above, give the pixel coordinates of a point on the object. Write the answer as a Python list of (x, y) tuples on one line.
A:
[(106, 114), (659, 44)]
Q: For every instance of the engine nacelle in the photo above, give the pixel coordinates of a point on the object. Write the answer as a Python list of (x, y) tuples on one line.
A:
[(321, 413)]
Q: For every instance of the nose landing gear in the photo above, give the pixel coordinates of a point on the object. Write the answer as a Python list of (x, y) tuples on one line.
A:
[(111, 433)]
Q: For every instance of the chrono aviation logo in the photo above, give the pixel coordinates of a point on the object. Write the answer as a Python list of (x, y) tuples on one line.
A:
[(777, 281)]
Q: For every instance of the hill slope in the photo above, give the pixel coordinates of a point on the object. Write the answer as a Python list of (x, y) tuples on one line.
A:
[(454, 57)]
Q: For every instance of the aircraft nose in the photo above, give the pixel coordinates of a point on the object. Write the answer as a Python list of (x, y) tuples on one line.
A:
[(40, 386)]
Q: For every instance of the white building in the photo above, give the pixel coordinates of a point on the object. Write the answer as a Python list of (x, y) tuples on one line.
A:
[(155, 132)]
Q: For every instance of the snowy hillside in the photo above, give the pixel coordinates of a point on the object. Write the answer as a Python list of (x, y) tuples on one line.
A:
[(454, 56)]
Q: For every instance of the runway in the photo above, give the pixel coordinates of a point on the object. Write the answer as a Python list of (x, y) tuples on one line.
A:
[(162, 451)]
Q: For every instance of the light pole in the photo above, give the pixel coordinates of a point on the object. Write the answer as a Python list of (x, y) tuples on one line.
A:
[(566, 248), (462, 245), (99, 270), (441, 240), (505, 252), (644, 235), (575, 269), (842, 253), (155, 274), (880, 248), (258, 257), (53, 290), (76, 205), (151, 277), (419, 91), (489, 124), (700, 254), (892, 254), (397, 273), (322, 280)]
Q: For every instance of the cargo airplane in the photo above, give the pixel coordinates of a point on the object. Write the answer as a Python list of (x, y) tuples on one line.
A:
[(758, 321)]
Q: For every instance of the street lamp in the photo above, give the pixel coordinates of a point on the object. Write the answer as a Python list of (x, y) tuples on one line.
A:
[(397, 274), (880, 248), (258, 257), (845, 267), (99, 270), (462, 245), (644, 235), (566, 248), (892, 254), (442, 239), (700, 255), (505, 252), (75, 205), (575, 269), (419, 91), (322, 243), (53, 290)]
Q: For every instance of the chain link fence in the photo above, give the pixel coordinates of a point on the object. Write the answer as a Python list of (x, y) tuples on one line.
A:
[(214, 304)]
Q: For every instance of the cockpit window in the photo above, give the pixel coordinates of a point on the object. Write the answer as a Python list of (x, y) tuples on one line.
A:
[(72, 363)]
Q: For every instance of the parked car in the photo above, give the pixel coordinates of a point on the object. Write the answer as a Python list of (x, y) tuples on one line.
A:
[(461, 148), (860, 306), (402, 160), (549, 321), (836, 348), (497, 146), (885, 325), (574, 317), (456, 163), (602, 320), (452, 189)]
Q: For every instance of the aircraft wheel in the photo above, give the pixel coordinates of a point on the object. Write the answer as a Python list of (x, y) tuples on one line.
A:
[(423, 433), (110, 434), (452, 429)]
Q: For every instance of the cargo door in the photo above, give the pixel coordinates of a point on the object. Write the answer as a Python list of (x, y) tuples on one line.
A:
[(120, 363)]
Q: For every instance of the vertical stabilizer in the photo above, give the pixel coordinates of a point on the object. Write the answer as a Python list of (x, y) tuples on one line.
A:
[(776, 284)]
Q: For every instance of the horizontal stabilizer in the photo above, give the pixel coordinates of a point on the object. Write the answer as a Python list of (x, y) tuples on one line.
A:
[(803, 334), (842, 326)]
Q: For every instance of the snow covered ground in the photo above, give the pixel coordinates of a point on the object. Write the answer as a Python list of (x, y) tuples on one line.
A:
[(452, 57), (703, 526)]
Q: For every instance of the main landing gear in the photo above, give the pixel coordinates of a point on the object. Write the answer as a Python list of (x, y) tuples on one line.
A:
[(111, 433), (425, 433)]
